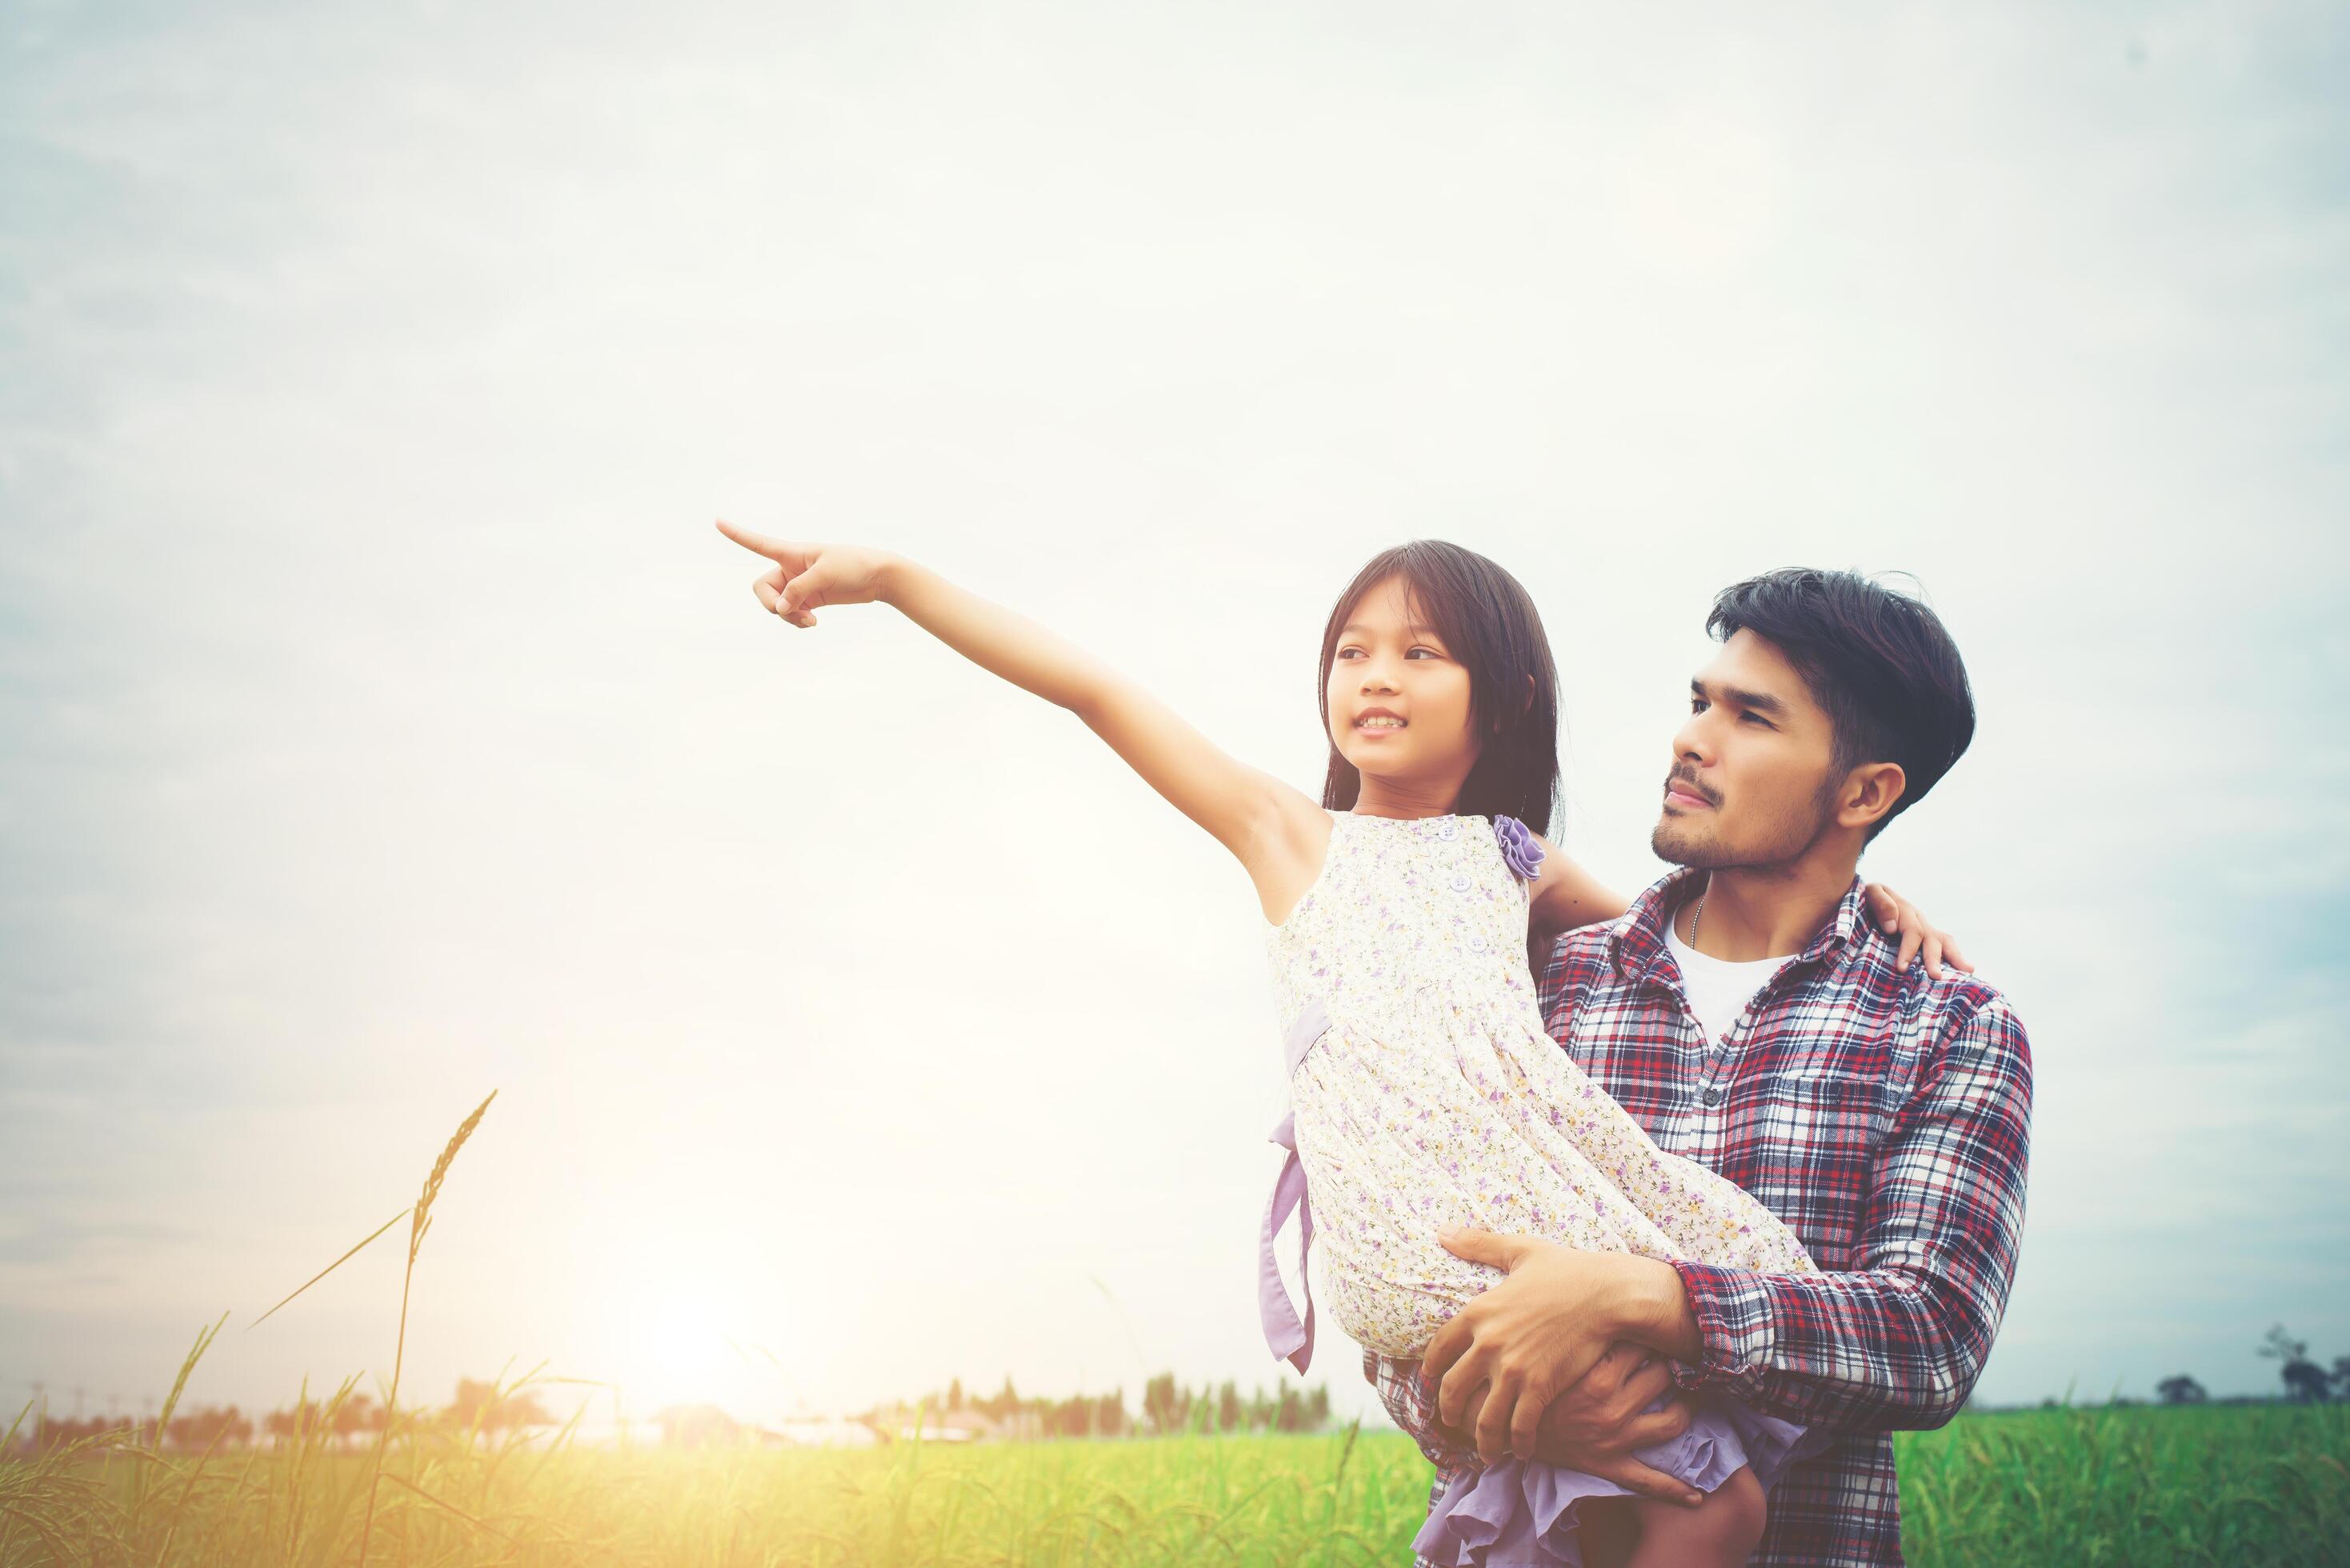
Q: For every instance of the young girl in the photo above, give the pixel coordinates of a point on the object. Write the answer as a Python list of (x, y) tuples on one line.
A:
[(1424, 1089)]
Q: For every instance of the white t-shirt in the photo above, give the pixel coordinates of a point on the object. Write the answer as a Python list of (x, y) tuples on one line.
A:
[(1718, 989)]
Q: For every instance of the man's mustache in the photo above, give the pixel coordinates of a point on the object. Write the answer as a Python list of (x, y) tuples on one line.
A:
[(1688, 782)]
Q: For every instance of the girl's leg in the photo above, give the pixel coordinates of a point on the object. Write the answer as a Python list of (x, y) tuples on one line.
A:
[(1609, 1531), (1721, 1530)]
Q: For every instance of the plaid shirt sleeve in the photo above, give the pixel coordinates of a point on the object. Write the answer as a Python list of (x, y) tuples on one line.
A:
[(1899, 1341), (1410, 1407)]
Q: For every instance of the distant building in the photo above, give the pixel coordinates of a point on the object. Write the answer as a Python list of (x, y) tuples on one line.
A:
[(700, 1426), (904, 1423), (808, 1432)]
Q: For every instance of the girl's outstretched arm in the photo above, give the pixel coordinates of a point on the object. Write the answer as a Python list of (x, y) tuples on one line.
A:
[(1267, 824)]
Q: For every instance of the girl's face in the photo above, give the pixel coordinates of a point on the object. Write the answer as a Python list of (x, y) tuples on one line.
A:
[(1399, 702)]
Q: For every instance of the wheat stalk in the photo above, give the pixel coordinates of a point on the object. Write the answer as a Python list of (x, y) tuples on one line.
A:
[(419, 1220), (421, 1217)]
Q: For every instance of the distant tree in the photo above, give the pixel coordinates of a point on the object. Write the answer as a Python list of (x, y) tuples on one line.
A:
[(2180, 1390), (1071, 1417), (208, 1426), (358, 1414), (472, 1401), (2342, 1378), (1165, 1405), (2307, 1382), (2304, 1380), (954, 1394), (1228, 1406), (306, 1418), (478, 1403)]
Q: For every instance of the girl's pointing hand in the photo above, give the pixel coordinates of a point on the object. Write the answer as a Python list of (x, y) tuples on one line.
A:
[(1898, 918), (807, 576)]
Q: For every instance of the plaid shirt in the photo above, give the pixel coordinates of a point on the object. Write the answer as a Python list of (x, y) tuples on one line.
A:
[(1885, 1117)]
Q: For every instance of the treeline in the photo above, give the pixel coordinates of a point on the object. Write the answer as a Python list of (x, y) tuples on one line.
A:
[(477, 1406), (2305, 1382), (1167, 1406)]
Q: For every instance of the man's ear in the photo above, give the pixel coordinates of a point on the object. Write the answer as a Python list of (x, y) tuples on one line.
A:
[(1870, 793)]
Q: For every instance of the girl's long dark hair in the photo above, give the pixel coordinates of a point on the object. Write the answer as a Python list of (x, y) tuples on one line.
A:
[(1488, 621)]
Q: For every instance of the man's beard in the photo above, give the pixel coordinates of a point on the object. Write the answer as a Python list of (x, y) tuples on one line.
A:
[(1679, 842)]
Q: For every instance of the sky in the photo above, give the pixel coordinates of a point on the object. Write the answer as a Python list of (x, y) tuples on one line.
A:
[(383, 723)]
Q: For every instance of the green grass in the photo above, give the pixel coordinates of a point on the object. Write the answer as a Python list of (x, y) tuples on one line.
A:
[(2211, 1484), (2223, 1485), (2248, 1485)]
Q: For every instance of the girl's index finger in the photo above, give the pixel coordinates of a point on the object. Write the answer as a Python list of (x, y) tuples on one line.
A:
[(759, 543)]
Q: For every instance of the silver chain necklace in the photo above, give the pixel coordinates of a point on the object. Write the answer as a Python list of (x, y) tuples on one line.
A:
[(1701, 912)]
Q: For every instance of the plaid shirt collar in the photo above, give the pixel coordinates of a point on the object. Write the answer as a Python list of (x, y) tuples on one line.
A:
[(1636, 942)]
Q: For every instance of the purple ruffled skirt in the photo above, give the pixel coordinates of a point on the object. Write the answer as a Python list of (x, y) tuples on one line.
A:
[(1520, 1515)]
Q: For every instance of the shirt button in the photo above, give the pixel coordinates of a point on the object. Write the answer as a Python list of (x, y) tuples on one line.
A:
[(1711, 1096), (1476, 943), (1449, 830), (1460, 881)]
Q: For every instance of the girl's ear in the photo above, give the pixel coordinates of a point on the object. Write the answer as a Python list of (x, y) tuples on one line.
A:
[(1532, 691)]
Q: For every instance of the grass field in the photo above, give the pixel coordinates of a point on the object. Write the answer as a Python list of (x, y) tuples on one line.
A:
[(2244, 1485), (2217, 1485)]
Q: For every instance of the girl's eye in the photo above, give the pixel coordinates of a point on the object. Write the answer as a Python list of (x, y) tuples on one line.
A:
[(1430, 651)]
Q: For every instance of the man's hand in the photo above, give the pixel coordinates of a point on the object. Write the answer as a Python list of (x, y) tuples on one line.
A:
[(1594, 1426), (1530, 1338)]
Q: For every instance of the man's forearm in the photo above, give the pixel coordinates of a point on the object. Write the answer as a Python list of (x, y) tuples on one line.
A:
[(1866, 1352), (1890, 1351)]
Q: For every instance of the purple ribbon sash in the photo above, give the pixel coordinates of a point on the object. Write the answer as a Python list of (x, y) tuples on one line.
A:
[(1290, 1337)]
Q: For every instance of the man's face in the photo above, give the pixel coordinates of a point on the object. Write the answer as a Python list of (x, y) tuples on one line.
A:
[(1399, 700), (1751, 783)]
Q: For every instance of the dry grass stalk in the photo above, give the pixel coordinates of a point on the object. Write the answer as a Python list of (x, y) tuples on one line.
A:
[(204, 1337), (329, 1269), (419, 1220)]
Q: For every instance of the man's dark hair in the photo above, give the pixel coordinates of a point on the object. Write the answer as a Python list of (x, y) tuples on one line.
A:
[(1880, 663)]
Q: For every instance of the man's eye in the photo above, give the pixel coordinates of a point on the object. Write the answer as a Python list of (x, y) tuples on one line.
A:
[(1697, 704), (1757, 719)]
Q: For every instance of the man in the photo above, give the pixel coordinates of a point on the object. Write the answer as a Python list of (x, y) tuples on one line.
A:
[(1748, 1016)]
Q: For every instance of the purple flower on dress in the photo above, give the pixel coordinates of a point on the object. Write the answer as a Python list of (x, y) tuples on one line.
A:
[(1518, 847)]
